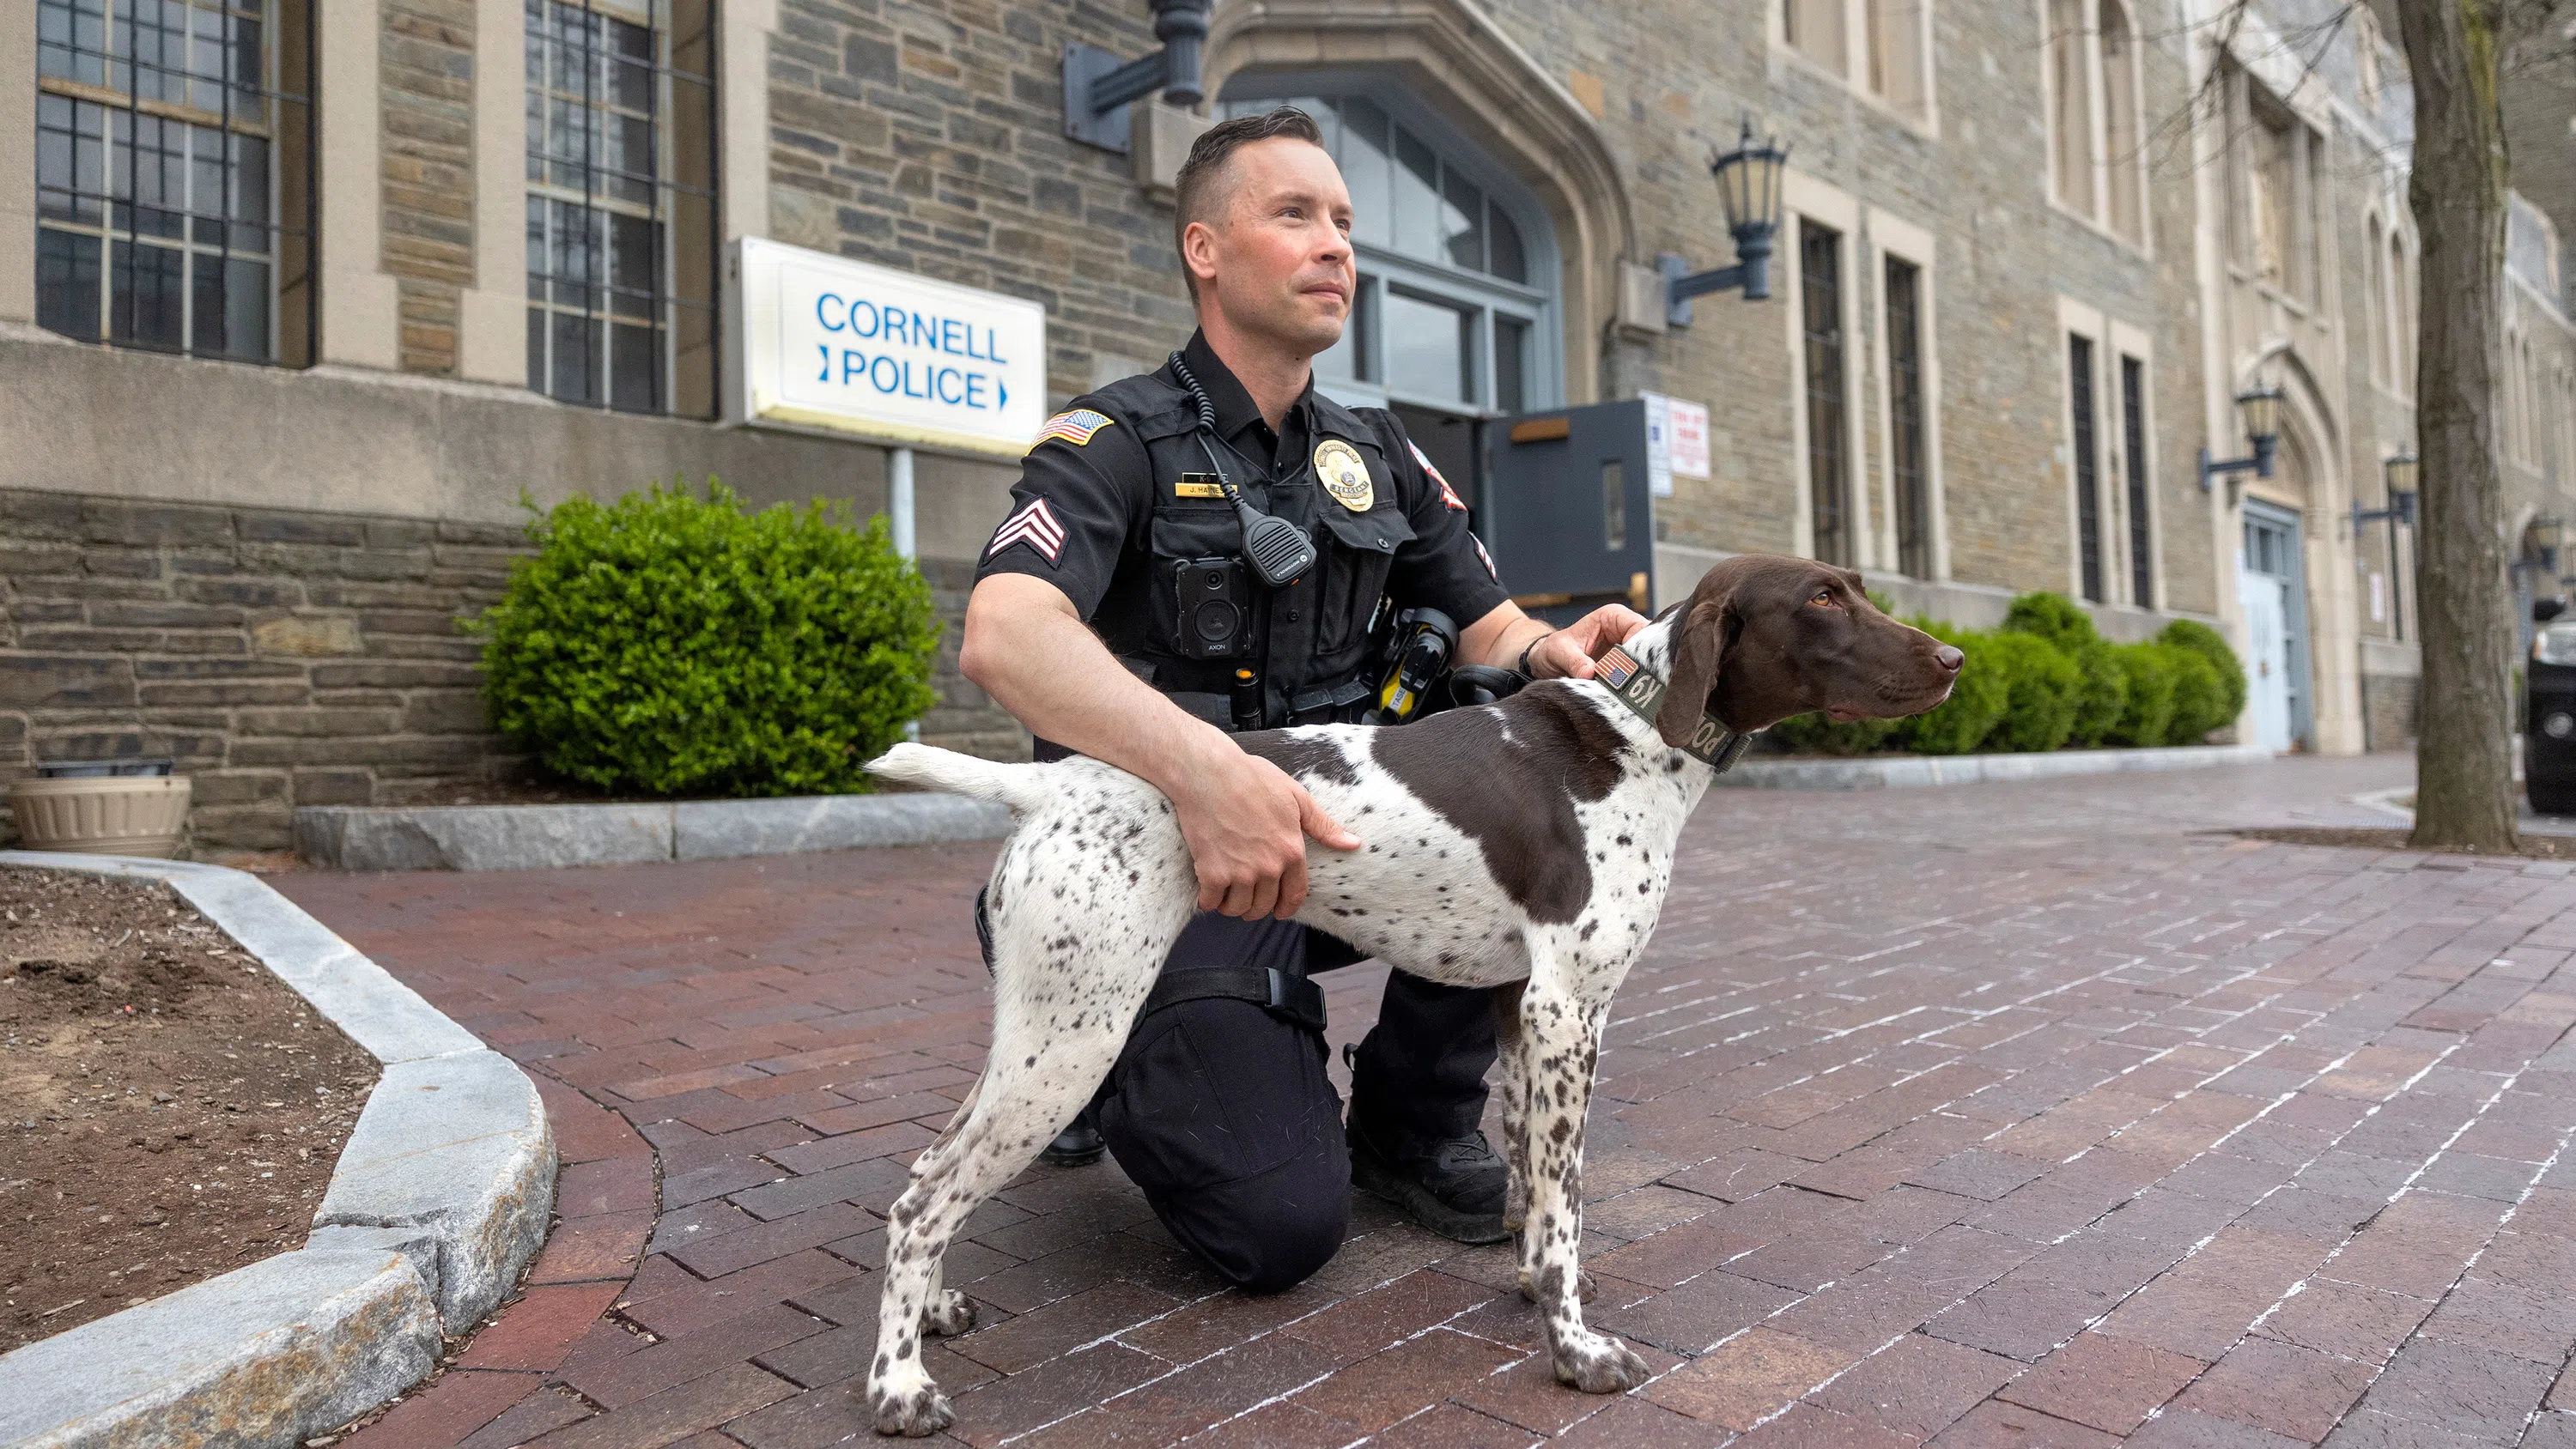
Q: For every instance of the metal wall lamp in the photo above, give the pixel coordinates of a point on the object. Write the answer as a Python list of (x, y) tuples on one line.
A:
[(2261, 410), (1748, 186), (2401, 496), (2546, 535), (1099, 88)]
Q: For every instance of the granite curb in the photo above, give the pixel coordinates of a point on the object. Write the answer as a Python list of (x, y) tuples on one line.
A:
[(440, 1198), (1881, 772), (546, 837)]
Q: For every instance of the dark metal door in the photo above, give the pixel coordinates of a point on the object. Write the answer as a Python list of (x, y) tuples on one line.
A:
[(1566, 509)]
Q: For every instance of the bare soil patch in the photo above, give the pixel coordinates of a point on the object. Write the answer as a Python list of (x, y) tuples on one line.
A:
[(2534, 847), (169, 1110)]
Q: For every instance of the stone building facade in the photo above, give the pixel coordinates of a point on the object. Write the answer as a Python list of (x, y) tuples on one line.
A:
[(2031, 251)]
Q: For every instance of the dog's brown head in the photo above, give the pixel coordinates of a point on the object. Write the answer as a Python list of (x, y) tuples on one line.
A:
[(1764, 638)]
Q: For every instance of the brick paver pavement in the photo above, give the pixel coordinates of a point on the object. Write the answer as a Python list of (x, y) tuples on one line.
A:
[(2013, 1115)]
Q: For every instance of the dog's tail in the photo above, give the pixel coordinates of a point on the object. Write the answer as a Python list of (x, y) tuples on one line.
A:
[(1017, 786)]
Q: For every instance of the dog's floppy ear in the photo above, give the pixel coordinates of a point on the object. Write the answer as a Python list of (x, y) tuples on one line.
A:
[(1697, 642)]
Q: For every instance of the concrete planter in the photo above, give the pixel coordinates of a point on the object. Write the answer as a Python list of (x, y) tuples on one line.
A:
[(103, 815), (1880, 772), (545, 837)]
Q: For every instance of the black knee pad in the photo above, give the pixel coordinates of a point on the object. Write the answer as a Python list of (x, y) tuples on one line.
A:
[(1222, 1113)]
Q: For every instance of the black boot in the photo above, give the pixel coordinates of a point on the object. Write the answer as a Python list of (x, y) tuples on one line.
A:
[(1079, 1144), (1455, 1187)]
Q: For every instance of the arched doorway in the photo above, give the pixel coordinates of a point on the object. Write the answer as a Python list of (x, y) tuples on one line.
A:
[(1456, 319), (2272, 585)]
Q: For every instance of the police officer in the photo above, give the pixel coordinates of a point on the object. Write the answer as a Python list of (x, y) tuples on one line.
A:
[(1117, 613)]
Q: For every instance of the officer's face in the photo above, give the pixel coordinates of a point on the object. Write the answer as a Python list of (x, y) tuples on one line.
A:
[(1278, 264)]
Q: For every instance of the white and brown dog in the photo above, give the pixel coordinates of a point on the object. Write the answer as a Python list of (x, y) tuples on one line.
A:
[(1525, 845)]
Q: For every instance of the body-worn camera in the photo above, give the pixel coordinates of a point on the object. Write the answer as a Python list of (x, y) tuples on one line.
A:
[(1215, 620)]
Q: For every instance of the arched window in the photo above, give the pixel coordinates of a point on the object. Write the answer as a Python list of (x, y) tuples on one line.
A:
[(2120, 143), (2070, 91), (1457, 264)]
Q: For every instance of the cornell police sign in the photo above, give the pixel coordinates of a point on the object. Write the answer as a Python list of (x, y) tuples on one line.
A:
[(831, 343)]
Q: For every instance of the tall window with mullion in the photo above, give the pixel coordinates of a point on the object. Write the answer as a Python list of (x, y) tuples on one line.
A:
[(173, 175), (621, 204)]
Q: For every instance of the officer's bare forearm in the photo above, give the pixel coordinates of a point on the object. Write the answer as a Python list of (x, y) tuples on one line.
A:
[(1027, 647), (1497, 639)]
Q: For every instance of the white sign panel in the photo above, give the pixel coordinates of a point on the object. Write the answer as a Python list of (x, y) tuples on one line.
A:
[(1676, 441), (1690, 437), (1659, 444), (832, 343)]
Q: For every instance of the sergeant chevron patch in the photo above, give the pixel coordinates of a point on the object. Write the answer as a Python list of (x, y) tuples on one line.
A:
[(1035, 526)]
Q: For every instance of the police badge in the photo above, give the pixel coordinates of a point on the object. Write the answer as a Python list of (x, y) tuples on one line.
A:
[(1345, 475)]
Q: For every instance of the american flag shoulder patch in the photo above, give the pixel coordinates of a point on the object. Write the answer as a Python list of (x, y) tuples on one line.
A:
[(1448, 495), (1075, 427), (1034, 525)]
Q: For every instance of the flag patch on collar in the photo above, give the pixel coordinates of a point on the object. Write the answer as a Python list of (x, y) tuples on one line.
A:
[(1035, 526), (1448, 495), (1075, 427), (1615, 668)]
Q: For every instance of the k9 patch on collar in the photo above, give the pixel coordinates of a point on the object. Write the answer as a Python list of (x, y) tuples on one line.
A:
[(1630, 682)]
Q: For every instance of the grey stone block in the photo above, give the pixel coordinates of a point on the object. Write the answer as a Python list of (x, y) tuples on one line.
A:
[(264, 1355), (1892, 771), (459, 1146), (482, 837), (379, 1013), (721, 829)]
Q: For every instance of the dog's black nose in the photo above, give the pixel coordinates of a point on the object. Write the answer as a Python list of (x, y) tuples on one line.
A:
[(1950, 657)]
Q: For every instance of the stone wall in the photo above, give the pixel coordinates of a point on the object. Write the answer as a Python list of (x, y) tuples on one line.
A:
[(2388, 711), (286, 657), (428, 118)]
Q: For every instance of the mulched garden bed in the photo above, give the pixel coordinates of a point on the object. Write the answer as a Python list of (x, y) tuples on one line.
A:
[(169, 1110), (2534, 847)]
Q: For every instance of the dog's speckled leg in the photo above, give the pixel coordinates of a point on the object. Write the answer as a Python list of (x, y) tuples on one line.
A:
[(1561, 1042)]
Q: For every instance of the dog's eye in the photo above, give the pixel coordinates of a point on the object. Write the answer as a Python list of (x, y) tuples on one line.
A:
[(1824, 599)]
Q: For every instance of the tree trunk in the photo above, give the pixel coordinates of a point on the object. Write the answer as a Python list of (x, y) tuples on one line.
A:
[(2464, 748)]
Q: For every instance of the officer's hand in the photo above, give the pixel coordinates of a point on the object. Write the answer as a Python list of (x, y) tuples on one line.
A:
[(1568, 653), (1246, 823)]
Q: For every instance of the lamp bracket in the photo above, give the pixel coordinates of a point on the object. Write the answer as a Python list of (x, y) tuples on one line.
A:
[(1100, 89)]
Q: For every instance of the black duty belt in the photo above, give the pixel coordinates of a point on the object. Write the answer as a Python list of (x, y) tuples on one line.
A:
[(1282, 993)]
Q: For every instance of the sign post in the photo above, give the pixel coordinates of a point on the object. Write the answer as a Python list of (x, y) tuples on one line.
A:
[(846, 347)]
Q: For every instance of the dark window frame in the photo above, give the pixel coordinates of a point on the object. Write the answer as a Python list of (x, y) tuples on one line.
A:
[(221, 221), (2133, 462), (2086, 441), (1909, 474), (1824, 353), (622, 298)]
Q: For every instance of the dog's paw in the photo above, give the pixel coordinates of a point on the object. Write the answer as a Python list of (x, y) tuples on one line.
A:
[(1599, 1364), (915, 1412), (1584, 1286), (949, 1314)]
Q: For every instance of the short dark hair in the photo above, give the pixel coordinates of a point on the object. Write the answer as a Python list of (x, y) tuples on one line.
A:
[(1197, 190)]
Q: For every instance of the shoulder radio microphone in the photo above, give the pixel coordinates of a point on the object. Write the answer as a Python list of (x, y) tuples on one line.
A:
[(1279, 551)]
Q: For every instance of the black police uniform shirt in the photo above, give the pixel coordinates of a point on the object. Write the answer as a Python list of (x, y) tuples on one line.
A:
[(1089, 516)]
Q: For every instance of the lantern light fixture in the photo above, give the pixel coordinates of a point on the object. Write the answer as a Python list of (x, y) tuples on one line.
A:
[(2260, 408), (1748, 187)]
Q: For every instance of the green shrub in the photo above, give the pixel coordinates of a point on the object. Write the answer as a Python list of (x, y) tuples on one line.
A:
[(2043, 689), (2209, 644), (2104, 691), (2053, 617), (1962, 721), (2147, 711), (2199, 696), (1820, 733), (668, 643)]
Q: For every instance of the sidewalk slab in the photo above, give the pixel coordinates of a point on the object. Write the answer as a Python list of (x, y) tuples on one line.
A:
[(1880, 772)]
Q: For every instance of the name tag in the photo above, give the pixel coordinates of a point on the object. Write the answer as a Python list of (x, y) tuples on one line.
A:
[(1198, 485)]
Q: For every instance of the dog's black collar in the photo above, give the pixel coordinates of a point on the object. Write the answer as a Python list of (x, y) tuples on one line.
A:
[(1641, 689)]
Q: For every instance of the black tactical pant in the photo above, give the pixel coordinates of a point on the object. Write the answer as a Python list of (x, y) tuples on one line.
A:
[(1221, 1110)]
